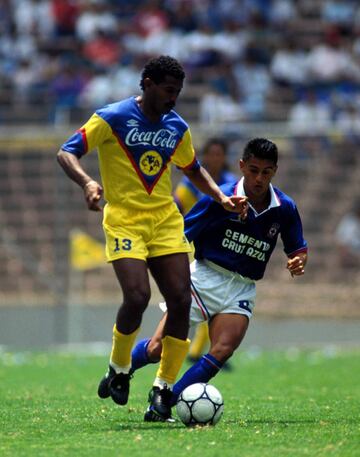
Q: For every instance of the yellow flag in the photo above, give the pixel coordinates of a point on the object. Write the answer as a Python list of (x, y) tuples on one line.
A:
[(85, 251)]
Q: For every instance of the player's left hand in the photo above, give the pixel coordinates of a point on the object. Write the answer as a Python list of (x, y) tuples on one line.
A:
[(296, 266), (236, 205)]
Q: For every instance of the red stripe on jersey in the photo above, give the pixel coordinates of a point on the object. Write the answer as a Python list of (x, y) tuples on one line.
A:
[(298, 251), (189, 167), (83, 136), (198, 302)]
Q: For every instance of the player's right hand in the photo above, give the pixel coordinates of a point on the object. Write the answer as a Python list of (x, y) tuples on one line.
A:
[(241, 205), (93, 193), (236, 204)]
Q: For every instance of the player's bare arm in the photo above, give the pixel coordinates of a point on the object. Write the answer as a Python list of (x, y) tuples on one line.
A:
[(296, 264), (92, 189), (204, 182)]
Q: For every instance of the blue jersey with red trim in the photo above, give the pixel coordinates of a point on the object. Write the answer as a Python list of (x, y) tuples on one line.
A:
[(244, 246), (135, 154)]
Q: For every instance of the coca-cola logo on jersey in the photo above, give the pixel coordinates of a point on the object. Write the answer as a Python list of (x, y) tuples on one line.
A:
[(161, 138)]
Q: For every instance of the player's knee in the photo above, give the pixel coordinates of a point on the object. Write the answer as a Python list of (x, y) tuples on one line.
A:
[(136, 300), (222, 351), (154, 350), (179, 304)]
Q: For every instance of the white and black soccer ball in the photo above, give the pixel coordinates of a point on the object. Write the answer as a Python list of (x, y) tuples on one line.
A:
[(200, 404)]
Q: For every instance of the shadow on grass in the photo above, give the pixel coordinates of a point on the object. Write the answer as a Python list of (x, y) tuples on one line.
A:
[(136, 423), (286, 422), (147, 426), (140, 425)]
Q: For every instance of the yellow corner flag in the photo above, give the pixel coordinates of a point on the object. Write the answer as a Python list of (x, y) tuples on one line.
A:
[(85, 251)]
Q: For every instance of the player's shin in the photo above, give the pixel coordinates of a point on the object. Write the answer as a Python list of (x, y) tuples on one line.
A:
[(173, 354), (120, 359), (202, 371)]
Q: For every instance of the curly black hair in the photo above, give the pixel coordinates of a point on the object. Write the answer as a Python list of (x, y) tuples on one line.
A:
[(261, 148), (159, 67)]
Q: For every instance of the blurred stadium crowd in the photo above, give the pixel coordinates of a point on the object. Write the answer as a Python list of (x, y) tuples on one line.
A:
[(250, 60)]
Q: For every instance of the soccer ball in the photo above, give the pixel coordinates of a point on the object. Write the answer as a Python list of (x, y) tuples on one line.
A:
[(200, 404)]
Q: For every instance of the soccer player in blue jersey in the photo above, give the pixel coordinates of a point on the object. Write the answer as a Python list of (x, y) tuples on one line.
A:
[(214, 160), (137, 140), (231, 254)]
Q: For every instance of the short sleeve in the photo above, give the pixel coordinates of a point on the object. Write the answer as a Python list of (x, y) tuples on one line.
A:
[(184, 155), (92, 134), (292, 232)]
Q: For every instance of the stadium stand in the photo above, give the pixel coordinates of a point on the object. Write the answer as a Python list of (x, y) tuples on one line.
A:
[(60, 58)]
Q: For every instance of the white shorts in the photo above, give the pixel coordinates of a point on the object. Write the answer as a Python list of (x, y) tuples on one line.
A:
[(216, 290)]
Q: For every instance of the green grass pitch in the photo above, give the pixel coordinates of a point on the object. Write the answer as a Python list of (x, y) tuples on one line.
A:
[(282, 403)]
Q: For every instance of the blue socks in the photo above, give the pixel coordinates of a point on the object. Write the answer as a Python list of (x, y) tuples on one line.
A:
[(202, 371), (139, 357)]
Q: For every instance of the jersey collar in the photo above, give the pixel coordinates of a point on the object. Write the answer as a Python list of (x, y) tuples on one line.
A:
[(274, 201)]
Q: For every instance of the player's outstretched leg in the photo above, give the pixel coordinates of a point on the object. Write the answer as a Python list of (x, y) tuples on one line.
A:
[(202, 371), (199, 344), (226, 333)]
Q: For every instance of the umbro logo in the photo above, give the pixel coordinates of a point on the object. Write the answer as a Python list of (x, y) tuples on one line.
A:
[(132, 123)]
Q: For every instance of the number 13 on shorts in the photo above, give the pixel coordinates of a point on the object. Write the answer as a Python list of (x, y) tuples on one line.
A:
[(121, 246), (124, 244)]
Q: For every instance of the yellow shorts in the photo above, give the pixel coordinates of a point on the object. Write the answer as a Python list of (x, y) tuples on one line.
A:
[(143, 234)]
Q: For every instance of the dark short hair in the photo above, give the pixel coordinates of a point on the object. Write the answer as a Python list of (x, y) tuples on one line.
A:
[(159, 67), (261, 148)]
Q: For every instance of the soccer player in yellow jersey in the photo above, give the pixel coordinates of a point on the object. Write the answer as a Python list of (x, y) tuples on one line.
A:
[(137, 139)]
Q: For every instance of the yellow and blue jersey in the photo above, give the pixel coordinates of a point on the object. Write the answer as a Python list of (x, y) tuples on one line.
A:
[(135, 154)]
